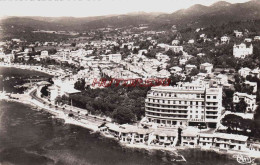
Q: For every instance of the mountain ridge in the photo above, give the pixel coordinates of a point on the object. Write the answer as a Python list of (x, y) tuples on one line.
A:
[(194, 16)]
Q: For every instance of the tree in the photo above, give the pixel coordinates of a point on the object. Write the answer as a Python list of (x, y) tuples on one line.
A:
[(158, 69), (227, 100), (123, 115), (202, 71), (241, 106), (246, 124), (232, 121), (257, 114), (73, 44), (80, 84), (174, 79), (44, 91), (135, 51), (52, 51), (194, 72), (58, 100)]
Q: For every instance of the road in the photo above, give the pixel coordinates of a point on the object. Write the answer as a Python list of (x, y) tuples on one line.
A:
[(77, 112)]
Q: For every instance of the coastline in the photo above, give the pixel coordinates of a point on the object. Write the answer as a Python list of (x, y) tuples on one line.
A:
[(93, 127), (27, 67)]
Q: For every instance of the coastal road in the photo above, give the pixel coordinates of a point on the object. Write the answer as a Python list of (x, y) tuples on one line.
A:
[(77, 112)]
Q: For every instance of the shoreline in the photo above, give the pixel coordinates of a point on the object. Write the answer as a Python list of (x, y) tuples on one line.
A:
[(93, 127), (26, 67), (90, 126)]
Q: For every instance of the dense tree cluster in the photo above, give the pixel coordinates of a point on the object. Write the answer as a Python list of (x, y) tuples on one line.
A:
[(44, 91), (80, 84), (123, 104), (238, 125)]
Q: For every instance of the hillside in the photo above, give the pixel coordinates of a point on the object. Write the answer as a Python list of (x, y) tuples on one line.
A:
[(216, 14), (196, 16)]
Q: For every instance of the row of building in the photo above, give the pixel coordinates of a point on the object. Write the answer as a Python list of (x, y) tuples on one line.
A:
[(130, 134)]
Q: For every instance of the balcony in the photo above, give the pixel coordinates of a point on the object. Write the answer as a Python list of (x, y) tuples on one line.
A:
[(166, 117), (211, 114), (210, 106), (166, 103), (176, 98), (174, 113), (167, 108), (212, 110)]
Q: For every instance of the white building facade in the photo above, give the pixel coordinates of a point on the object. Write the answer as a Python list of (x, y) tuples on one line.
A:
[(249, 99), (206, 66), (184, 104), (241, 51)]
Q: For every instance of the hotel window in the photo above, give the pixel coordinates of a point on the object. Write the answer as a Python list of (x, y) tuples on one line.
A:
[(214, 97), (208, 97), (197, 103), (163, 101), (169, 102), (161, 94)]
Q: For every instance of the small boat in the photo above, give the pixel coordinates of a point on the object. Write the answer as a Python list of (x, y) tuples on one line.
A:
[(92, 132), (180, 158)]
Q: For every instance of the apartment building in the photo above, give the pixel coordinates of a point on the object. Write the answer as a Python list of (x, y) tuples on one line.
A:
[(257, 38), (244, 72), (206, 66), (189, 68), (249, 99), (238, 33), (225, 39), (175, 42), (44, 54), (184, 104), (115, 57), (230, 141), (241, 51), (175, 49), (206, 140), (189, 138)]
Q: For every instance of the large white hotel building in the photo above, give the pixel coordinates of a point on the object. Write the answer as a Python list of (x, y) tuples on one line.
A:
[(184, 104)]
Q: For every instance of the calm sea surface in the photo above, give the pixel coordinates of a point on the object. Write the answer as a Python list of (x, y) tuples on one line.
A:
[(33, 137)]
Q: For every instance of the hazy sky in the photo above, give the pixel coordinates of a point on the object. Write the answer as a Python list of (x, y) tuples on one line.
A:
[(83, 8)]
